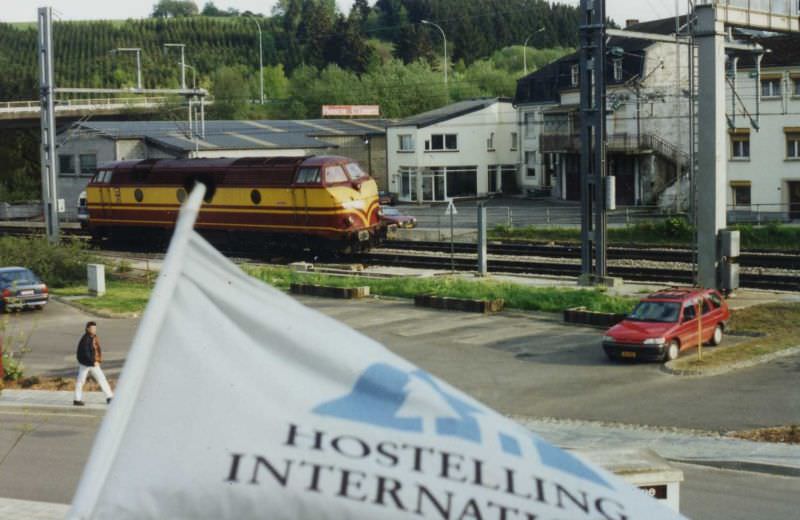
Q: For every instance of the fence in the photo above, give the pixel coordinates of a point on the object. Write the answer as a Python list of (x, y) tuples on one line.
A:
[(434, 218), (763, 213)]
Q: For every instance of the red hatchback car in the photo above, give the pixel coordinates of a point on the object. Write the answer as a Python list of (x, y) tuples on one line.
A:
[(665, 323)]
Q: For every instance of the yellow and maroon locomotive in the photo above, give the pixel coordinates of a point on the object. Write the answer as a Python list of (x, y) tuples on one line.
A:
[(325, 202)]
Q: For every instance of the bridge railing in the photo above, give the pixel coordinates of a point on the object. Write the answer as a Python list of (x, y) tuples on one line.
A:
[(778, 7), (77, 104)]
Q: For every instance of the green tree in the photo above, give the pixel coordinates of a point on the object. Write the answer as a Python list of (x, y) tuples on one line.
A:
[(174, 8), (231, 93), (276, 84)]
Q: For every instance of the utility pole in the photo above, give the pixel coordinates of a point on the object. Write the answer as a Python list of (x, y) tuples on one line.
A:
[(182, 47), (525, 50), (48, 125), (444, 37), (711, 159), (138, 52), (260, 59), (592, 80)]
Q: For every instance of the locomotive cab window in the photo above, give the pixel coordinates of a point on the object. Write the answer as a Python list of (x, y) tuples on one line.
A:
[(335, 175), (355, 171), (308, 176)]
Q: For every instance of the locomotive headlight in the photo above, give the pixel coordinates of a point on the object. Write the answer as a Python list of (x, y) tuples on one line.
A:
[(348, 221)]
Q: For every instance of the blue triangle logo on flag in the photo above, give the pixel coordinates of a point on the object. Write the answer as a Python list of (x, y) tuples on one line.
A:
[(389, 397)]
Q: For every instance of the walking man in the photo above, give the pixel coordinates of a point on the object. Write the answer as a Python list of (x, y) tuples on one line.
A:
[(89, 358)]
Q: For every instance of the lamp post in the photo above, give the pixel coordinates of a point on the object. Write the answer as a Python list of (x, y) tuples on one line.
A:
[(525, 49), (183, 60), (260, 58), (138, 52), (444, 37)]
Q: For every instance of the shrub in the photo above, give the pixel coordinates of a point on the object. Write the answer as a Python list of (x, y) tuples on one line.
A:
[(13, 366), (57, 265)]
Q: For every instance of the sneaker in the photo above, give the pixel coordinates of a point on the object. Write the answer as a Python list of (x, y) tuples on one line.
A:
[(108, 400), (77, 403)]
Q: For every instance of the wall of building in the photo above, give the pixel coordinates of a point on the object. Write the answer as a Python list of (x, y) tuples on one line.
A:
[(473, 131), (371, 155), (768, 169), (70, 185)]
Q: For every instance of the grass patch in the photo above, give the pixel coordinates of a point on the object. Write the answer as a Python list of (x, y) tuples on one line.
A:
[(776, 325), (786, 434), (516, 296), (671, 232), (121, 297), (128, 296)]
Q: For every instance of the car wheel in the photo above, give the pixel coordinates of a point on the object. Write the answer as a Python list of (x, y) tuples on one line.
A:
[(612, 357), (673, 351), (716, 338)]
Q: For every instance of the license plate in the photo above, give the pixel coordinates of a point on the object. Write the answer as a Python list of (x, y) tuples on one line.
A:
[(25, 293), (628, 354)]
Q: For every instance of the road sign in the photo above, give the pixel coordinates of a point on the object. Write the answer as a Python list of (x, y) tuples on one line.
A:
[(62, 207), (451, 209)]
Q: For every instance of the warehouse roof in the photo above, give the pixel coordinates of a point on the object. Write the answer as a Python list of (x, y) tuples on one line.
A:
[(238, 135)]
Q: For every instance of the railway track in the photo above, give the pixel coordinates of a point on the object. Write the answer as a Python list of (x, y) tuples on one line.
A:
[(787, 261), (639, 274)]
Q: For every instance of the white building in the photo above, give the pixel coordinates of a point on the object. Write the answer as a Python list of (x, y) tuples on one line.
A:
[(647, 123), (764, 137), (466, 149)]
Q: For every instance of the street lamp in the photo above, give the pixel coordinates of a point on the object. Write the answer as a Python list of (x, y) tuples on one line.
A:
[(138, 52), (525, 49), (260, 58), (426, 22), (183, 60)]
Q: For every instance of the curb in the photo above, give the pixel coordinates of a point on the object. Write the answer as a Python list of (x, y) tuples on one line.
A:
[(751, 467), (93, 312), (716, 371)]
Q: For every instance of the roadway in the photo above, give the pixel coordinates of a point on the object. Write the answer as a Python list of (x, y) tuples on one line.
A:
[(519, 363)]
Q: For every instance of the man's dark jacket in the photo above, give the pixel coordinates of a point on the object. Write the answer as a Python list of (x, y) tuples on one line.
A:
[(86, 350)]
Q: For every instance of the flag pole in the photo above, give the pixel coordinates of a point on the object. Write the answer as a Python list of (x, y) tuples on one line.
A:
[(112, 429)]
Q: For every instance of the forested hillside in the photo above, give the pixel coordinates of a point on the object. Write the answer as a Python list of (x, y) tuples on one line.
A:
[(313, 55), (298, 33)]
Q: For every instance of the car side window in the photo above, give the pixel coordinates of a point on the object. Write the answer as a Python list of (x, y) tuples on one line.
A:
[(715, 299), (689, 312), (308, 176), (708, 306)]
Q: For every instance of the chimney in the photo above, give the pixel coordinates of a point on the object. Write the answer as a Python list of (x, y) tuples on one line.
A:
[(631, 21)]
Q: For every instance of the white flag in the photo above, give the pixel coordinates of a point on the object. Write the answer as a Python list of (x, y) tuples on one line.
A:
[(238, 402)]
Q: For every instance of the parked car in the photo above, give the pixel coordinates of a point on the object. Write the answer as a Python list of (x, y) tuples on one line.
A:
[(386, 198), (666, 323), (20, 288), (393, 216)]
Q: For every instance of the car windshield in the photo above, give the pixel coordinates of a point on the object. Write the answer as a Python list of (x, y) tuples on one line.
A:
[(663, 312), (391, 212), (18, 277)]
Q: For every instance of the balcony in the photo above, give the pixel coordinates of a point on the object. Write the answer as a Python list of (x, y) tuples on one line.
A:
[(621, 143), (774, 15)]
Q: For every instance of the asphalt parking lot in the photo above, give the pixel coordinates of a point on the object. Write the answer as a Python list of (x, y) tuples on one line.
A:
[(519, 363)]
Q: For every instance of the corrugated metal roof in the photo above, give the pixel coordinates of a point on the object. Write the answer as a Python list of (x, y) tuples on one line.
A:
[(239, 135)]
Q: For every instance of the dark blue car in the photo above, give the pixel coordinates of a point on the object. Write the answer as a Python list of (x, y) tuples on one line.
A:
[(20, 288)]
